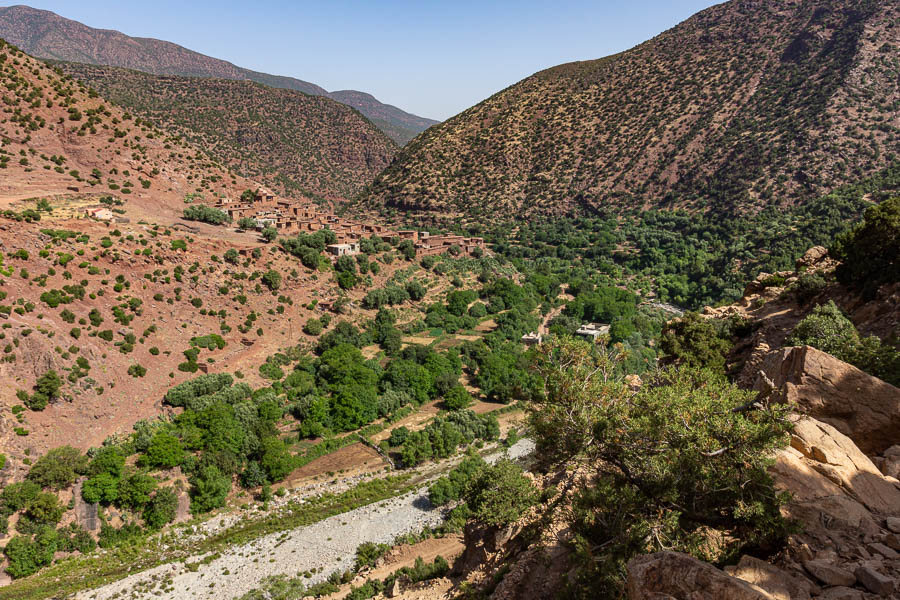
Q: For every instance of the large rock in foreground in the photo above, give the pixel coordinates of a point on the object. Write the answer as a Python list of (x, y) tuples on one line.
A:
[(860, 406), (673, 575)]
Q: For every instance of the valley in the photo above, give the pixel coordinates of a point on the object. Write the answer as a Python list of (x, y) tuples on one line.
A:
[(625, 329)]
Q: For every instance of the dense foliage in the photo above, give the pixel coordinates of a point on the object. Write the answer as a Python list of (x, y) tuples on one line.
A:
[(687, 452)]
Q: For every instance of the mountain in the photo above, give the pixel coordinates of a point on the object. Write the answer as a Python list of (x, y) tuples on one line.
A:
[(47, 35), (745, 104), (61, 139), (289, 140)]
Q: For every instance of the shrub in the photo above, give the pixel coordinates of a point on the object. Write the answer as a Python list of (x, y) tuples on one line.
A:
[(870, 253), (808, 286), (689, 451), (137, 371), (499, 494), (161, 509), (313, 327), (827, 329), (206, 214), (58, 468)]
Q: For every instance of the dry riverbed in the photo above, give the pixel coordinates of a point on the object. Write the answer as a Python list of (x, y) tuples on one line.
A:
[(317, 550)]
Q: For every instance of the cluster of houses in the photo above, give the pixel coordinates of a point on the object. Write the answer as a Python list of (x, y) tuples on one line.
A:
[(290, 217)]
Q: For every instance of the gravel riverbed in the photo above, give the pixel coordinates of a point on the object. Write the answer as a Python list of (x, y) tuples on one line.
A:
[(324, 547)]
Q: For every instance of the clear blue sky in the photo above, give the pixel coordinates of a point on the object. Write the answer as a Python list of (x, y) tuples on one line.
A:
[(434, 59)]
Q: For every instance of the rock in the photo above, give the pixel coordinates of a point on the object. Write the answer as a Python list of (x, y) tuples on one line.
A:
[(892, 451), (841, 593), (891, 540), (835, 456), (874, 581), (683, 577), (883, 550), (893, 523), (890, 466), (812, 258), (777, 582), (857, 404), (828, 573)]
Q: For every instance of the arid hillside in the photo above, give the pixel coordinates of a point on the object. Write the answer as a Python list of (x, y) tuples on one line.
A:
[(60, 138), (300, 144), (743, 105), (47, 35)]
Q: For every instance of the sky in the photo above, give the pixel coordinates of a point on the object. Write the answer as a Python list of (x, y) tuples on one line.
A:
[(430, 58)]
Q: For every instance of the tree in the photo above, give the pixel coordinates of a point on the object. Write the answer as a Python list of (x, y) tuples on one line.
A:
[(161, 509), (869, 252), (246, 223), (275, 459), (457, 398), (58, 468), (27, 555), (165, 451), (272, 279), (101, 488), (269, 234), (209, 489), (46, 390), (135, 490), (694, 340), (231, 256), (688, 451), (500, 494)]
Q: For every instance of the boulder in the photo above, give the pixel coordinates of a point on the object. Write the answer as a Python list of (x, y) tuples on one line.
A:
[(841, 593), (835, 456), (683, 577), (814, 257), (777, 582), (828, 573), (860, 406), (823, 507), (874, 581)]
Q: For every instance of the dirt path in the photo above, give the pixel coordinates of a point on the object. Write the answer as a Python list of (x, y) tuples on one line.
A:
[(320, 549)]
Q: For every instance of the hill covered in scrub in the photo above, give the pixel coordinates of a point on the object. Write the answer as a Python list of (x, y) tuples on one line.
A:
[(59, 137), (744, 105), (47, 35), (292, 141)]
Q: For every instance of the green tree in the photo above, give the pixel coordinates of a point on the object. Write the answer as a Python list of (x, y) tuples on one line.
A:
[(58, 468), (499, 494), (870, 252), (161, 509), (209, 488), (695, 341), (687, 452), (165, 451)]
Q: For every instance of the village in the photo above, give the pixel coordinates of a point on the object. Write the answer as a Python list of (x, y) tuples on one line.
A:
[(291, 217)]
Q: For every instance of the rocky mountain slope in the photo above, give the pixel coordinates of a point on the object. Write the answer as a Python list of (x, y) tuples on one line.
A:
[(743, 105), (47, 35), (59, 137), (290, 140)]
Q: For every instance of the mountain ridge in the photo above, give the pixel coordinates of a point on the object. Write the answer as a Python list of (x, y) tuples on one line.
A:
[(45, 34), (274, 135), (743, 105)]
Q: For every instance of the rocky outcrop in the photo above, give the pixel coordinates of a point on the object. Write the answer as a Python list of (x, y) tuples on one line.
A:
[(860, 406), (678, 576)]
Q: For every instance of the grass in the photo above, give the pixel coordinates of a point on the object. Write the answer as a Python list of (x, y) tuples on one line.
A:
[(87, 572)]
